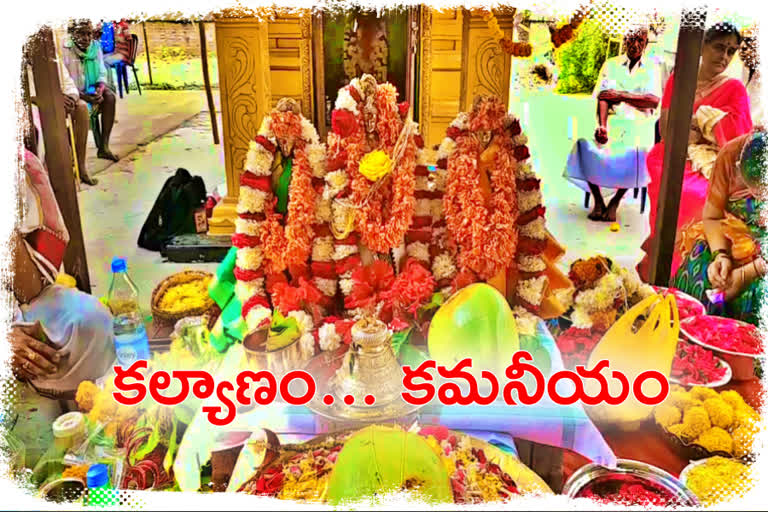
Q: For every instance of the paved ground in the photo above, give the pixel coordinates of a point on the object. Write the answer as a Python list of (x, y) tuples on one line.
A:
[(170, 130), (114, 211), (143, 118)]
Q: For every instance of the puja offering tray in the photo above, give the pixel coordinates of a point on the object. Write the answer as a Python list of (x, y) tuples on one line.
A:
[(650, 485), (368, 368)]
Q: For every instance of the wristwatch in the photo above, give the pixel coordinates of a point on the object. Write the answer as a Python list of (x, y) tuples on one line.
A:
[(720, 252)]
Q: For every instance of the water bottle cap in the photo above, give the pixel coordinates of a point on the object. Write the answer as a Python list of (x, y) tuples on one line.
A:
[(118, 265), (98, 475)]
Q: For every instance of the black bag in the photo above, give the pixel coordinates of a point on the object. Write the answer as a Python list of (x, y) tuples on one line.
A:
[(174, 210)]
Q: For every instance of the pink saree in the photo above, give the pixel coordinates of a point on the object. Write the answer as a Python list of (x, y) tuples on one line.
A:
[(730, 97)]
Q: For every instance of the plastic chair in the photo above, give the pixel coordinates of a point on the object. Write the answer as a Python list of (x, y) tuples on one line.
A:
[(121, 68)]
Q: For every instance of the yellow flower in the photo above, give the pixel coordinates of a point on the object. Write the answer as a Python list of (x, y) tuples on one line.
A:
[(720, 413), (86, 394), (716, 440), (375, 165), (696, 422), (667, 415), (701, 393), (732, 398)]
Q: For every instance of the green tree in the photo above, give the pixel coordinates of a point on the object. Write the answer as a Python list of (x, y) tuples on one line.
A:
[(580, 60)]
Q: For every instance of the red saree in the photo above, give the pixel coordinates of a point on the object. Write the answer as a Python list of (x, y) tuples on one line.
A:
[(730, 97)]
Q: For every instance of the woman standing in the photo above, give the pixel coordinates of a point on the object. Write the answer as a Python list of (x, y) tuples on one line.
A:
[(722, 252), (720, 114)]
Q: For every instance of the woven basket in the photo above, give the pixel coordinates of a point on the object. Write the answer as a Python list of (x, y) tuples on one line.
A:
[(166, 284)]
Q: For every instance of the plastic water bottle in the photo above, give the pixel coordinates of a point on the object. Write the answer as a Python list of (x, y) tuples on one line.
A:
[(131, 343)]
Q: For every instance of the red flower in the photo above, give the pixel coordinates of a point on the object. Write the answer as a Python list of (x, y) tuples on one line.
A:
[(273, 280), (347, 264), (344, 329), (241, 240), (263, 183), (289, 298), (398, 324), (336, 161), (324, 269), (514, 128), (464, 278), (528, 184), (265, 143), (369, 283), (343, 123), (531, 215), (402, 108), (419, 140), (521, 153), (247, 275), (411, 289), (253, 302), (442, 163), (453, 132)]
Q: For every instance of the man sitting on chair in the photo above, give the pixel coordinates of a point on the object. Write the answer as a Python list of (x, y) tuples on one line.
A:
[(83, 61), (627, 94)]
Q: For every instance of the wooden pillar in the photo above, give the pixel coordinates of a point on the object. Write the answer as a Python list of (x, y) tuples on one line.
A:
[(146, 50), (486, 67), (244, 88), (207, 82), (440, 71), (318, 59), (58, 157), (676, 144), (459, 60)]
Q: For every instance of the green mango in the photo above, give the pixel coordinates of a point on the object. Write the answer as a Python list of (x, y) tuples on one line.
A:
[(475, 322), (380, 460)]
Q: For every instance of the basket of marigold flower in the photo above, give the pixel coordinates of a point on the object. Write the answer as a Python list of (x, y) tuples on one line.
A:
[(182, 295), (702, 423)]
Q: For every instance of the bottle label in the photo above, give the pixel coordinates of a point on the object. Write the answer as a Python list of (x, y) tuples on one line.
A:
[(127, 355)]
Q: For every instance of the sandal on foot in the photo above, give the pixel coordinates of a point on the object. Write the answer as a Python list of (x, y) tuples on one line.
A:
[(107, 155), (88, 180)]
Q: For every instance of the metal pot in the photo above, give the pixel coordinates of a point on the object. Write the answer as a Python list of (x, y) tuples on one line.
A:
[(589, 473)]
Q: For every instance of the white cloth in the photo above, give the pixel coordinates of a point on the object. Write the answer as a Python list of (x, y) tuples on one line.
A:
[(80, 328), (629, 127), (621, 162)]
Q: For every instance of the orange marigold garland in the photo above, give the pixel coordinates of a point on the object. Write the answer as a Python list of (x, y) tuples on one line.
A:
[(265, 247), (512, 232), (565, 33), (486, 236), (292, 244), (515, 49), (383, 210)]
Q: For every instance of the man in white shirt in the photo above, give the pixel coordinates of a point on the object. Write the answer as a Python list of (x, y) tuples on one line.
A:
[(627, 93)]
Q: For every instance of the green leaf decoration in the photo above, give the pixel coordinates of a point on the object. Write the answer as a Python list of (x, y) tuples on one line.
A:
[(172, 448), (400, 339), (148, 446)]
